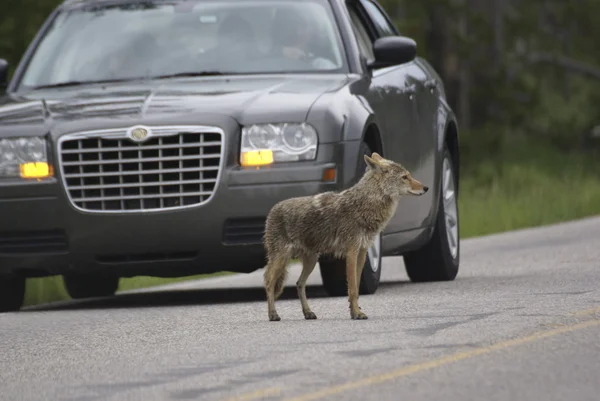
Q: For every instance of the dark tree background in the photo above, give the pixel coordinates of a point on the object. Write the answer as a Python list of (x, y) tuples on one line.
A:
[(511, 67)]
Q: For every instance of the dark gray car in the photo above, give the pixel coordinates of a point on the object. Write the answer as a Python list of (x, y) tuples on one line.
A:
[(153, 137)]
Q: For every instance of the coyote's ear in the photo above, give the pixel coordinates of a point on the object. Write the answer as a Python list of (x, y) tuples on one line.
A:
[(375, 156), (372, 164)]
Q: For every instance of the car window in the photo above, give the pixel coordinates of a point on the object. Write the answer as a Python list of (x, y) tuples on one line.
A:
[(379, 20), (154, 38), (365, 43)]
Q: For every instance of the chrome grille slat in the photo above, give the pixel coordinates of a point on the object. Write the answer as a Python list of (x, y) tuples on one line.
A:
[(105, 171), (136, 172), (141, 159), (151, 147), (180, 162), (126, 197), (142, 184), (101, 168), (161, 144), (120, 153)]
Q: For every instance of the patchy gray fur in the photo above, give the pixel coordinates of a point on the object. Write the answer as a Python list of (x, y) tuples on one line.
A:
[(341, 224)]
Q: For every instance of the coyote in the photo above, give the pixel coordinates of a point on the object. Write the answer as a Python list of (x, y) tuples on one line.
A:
[(340, 224)]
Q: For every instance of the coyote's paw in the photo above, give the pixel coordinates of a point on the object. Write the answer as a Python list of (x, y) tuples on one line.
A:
[(359, 316), (274, 317), (310, 315)]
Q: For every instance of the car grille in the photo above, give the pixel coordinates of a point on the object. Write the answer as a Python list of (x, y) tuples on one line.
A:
[(105, 171)]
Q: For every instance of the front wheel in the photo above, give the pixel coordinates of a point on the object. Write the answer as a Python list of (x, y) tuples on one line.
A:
[(333, 273), (90, 286), (12, 293), (439, 259)]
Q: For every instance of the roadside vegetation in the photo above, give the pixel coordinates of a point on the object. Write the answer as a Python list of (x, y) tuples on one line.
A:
[(524, 81), (526, 184)]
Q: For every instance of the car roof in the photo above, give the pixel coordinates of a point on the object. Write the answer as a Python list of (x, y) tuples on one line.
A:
[(79, 2)]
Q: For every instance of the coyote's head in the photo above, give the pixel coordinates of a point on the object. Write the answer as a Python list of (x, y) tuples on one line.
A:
[(393, 177)]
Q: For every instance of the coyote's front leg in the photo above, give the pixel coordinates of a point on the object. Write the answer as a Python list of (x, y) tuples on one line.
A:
[(352, 260)]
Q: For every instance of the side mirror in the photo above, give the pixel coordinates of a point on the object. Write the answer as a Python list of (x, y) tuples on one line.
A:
[(3, 73), (393, 50)]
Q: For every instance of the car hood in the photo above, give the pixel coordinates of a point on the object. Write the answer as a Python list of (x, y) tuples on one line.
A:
[(247, 100)]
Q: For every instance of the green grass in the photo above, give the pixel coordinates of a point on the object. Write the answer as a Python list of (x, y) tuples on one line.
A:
[(526, 184), (523, 184), (50, 289)]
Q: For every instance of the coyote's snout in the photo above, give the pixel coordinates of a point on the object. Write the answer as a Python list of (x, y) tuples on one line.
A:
[(415, 187), (342, 224)]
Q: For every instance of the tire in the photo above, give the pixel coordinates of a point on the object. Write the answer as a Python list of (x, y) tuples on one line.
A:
[(81, 286), (437, 260), (12, 293), (333, 271)]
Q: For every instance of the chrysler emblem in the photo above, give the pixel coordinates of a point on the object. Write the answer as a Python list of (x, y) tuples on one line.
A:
[(139, 134)]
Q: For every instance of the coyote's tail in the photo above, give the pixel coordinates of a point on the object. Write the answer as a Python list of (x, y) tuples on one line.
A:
[(276, 274), (277, 256), (280, 283)]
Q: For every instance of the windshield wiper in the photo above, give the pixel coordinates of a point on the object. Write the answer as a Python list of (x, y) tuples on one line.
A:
[(78, 83), (104, 81), (194, 74)]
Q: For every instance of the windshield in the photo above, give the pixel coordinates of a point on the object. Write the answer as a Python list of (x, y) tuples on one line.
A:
[(156, 39)]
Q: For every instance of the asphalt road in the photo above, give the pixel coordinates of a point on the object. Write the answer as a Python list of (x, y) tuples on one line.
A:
[(520, 322)]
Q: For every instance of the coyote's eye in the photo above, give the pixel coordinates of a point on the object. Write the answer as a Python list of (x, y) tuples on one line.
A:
[(404, 176)]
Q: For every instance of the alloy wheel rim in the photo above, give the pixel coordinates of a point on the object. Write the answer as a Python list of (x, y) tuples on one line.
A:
[(373, 253), (450, 207)]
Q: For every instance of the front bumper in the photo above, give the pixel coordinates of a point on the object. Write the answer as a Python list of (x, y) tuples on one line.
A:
[(41, 233)]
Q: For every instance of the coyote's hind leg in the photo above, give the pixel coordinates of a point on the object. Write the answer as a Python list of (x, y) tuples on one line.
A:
[(308, 265), (274, 277)]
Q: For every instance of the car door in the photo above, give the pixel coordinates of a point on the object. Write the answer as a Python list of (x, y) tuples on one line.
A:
[(398, 87), (427, 100)]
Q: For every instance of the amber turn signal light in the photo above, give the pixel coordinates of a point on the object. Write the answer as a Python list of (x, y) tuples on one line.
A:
[(256, 158), (36, 170), (329, 175)]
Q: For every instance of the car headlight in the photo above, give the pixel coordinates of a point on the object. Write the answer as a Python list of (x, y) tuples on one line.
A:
[(25, 157), (264, 144)]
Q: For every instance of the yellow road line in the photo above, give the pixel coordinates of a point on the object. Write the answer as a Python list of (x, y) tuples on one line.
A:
[(267, 392), (419, 367), (590, 311)]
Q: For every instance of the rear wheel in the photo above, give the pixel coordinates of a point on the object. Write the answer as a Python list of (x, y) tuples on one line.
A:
[(12, 293), (89, 286), (439, 259), (333, 271)]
